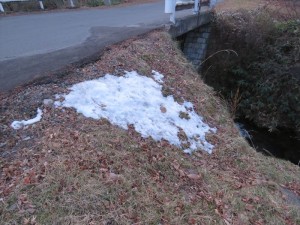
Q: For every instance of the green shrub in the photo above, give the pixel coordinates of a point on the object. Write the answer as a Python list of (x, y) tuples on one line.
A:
[(55, 4), (115, 2), (266, 72), (94, 3)]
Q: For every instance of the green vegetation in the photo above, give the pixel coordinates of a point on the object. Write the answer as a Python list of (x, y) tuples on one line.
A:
[(264, 77), (94, 3)]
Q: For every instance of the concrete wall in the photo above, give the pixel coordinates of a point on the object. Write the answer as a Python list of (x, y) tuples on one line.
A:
[(195, 45), (189, 23), (196, 29)]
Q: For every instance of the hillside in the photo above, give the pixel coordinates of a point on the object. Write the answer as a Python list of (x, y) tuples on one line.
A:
[(71, 169)]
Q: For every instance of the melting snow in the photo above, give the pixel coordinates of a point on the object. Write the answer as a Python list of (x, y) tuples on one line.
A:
[(157, 76), (138, 100), (19, 124)]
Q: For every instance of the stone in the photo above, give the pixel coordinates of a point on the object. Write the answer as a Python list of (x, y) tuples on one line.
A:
[(201, 40), (195, 45), (205, 35), (189, 45), (205, 29), (195, 62)]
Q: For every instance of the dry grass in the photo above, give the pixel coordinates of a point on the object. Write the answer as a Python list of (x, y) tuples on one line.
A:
[(233, 5), (286, 8), (76, 170)]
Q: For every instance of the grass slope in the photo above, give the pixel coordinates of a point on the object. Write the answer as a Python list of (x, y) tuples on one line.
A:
[(75, 170)]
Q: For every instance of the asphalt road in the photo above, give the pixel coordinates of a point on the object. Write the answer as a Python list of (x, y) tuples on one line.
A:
[(37, 45)]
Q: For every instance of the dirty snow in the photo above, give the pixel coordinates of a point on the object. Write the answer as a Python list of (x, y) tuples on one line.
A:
[(19, 124), (138, 100), (158, 77)]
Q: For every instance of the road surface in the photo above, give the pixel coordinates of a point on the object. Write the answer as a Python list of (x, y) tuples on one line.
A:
[(37, 45)]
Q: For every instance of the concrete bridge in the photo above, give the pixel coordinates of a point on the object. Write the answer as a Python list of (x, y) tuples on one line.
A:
[(36, 45)]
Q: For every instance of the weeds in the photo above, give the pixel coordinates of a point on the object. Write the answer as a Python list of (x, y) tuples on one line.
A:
[(228, 51), (94, 3), (268, 49), (235, 101)]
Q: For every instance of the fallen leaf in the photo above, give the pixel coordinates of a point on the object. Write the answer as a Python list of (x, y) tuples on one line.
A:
[(249, 207), (114, 177), (26, 221), (103, 169), (182, 173), (163, 109), (176, 165), (194, 176), (30, 210), (192, 221)]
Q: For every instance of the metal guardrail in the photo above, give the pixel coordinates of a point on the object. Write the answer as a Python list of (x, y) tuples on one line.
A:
[(171, 6)]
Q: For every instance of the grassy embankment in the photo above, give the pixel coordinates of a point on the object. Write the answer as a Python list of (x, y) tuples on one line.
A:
[(76, 170)]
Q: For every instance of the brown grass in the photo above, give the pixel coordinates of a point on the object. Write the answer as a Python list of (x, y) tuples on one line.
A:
[(289, 9), (233, 5), (76, 170)]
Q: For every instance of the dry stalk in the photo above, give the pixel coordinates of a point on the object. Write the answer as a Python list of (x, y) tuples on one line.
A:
[(235, 102), (224, 50)]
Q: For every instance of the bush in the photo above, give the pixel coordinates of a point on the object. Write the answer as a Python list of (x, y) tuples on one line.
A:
[(55, 4), (94, 3), (266, 72)]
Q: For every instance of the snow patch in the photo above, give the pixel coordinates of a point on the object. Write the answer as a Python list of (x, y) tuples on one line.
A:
[(19, 124), (157, 76), (138, 100)]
